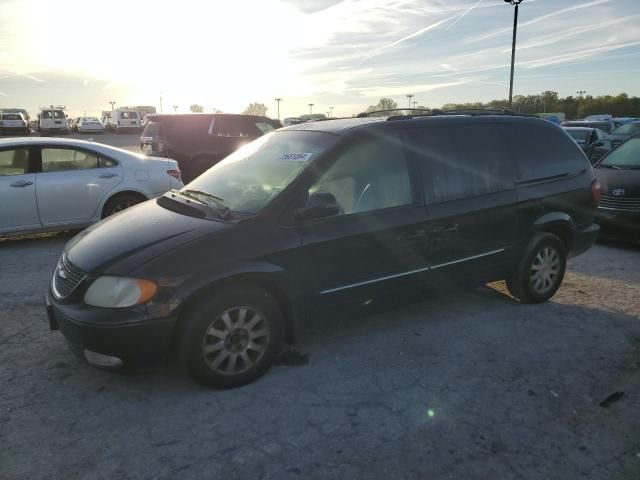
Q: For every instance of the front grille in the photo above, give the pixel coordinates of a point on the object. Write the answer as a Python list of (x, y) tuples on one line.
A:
[(627, 204), (66, 277)]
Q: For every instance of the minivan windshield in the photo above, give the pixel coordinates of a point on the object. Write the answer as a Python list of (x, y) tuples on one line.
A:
[(249, 178), (626, 156)]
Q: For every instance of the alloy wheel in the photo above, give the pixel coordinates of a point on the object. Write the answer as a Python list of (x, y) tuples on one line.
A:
[(545, 269), (236, 340)]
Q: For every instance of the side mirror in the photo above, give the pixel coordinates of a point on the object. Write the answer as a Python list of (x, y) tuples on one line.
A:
[(318, 205)]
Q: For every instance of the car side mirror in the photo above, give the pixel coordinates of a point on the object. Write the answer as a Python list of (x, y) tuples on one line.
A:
[(318, 205)]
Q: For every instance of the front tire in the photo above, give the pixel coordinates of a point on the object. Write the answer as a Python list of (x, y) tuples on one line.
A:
[(541, 270), (232, 339)]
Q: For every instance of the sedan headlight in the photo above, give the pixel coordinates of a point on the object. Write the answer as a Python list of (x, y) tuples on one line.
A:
[(119, 292)]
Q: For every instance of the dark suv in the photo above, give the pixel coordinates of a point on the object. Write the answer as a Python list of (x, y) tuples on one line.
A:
[(320, 217), (198, 141)]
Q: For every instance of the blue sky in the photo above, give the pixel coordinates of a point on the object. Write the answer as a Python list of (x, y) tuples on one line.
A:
[(346, 54)]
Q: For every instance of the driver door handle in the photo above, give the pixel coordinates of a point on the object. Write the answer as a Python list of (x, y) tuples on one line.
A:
[(452, 227), (108, 175), (21, 184), (412, 235)]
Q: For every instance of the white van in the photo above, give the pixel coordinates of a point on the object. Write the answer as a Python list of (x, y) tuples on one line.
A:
[(124, 119), (52, 120)]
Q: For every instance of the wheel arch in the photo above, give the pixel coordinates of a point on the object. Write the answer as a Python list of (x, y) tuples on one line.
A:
[(143, 196), (559, 224), (273, 282)]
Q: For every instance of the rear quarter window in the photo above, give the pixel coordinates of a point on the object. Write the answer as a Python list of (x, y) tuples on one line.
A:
[(542, 151)]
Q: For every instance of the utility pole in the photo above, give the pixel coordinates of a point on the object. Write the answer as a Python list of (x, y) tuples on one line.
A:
[(410, 96), (513, 46), (160, 102), (278, 100), (311, 108)]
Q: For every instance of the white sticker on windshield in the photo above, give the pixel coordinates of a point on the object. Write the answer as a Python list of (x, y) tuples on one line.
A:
[(295, 157)]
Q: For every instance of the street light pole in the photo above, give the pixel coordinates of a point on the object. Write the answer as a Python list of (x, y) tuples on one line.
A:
[(311, 108), (175, 108), (331, 112), (513, 46), (410, 96), (278, 100), (112, 103), (580, 94)]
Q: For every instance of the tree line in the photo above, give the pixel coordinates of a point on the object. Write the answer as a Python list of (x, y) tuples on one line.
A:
[(621, 105)]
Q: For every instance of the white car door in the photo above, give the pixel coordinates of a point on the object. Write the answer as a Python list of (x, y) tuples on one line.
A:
[(18, 209), (72, 183)]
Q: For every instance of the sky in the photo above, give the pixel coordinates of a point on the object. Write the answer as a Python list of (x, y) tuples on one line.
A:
[(344, 54)]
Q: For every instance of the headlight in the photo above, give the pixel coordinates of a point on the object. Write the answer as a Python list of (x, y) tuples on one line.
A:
[(119, 292)]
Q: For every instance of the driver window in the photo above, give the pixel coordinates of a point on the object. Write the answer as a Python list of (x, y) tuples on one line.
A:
[(370, 175)]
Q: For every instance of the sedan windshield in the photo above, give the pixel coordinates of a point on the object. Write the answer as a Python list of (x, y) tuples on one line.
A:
[(626, 156), (628, 129), (579, 136), (248, 179)]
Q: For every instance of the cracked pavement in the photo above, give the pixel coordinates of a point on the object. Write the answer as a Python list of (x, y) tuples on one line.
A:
[(471, 385)]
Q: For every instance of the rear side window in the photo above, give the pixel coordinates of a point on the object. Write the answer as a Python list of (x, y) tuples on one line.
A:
[(11, 116), (542, 151), (152, 129), (461, 161), (64, 159), (234, 127), (14, 162)]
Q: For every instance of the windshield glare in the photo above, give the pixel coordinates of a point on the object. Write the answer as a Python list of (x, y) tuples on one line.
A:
[(626, 155), (249, 178)]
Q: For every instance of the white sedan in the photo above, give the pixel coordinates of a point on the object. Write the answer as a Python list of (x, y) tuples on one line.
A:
[(49, 184), (89, 125)]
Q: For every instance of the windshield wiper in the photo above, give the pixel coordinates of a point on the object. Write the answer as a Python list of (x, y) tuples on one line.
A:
[(216, 203), (610, 166)]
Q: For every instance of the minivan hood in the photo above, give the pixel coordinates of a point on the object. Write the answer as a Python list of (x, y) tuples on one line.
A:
[(120, 243), (611, 179)]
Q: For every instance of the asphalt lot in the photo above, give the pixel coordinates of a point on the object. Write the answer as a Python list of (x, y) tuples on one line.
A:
[(471, 385)]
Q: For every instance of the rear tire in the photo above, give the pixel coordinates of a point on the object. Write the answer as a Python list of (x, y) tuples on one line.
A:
[(540, 272), (119, 203), (231, 339)]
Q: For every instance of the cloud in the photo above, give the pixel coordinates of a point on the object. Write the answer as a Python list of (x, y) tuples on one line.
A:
[(539, 19)]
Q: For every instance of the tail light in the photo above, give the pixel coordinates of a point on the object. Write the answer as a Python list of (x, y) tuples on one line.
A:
[(596, 191), (175, 173)]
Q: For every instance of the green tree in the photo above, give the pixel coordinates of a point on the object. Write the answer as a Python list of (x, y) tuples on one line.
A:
[(256, 109), (383, 104), (195, 108)]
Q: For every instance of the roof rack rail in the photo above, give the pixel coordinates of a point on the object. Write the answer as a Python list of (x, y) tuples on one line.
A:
[(432, 112), (372, 114)]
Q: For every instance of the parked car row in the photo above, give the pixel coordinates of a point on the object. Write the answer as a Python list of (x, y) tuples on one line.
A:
[(597, 137)]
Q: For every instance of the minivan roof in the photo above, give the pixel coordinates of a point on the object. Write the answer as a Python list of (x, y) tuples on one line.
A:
[(343, 125)]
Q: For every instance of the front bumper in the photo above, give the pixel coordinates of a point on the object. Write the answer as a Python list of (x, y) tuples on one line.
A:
[(617, 223), (125, 334), (584, 239)]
